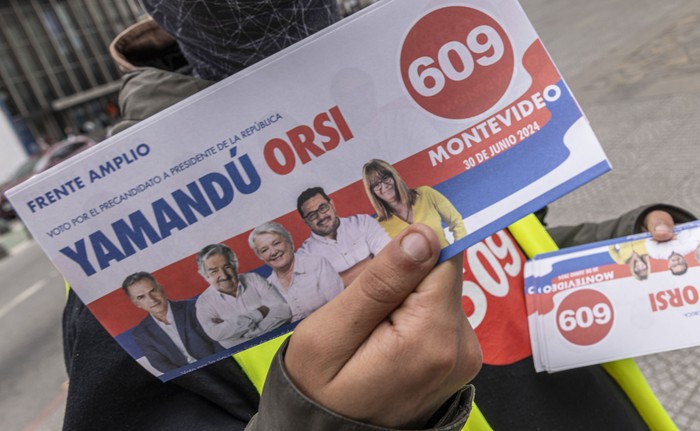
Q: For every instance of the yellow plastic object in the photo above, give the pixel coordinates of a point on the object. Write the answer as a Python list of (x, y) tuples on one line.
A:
[(630, 378), (477, 421), (257, 360), (534, 239)]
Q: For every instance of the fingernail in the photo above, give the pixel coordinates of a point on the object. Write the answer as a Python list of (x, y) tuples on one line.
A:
[(416, 246), (662, 228)]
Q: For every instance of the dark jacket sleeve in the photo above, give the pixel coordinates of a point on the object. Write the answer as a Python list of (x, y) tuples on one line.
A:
[(283, 406), (628, 224), (110, 391)]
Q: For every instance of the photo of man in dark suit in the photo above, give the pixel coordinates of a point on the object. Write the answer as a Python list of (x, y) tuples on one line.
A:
[(170, 336)]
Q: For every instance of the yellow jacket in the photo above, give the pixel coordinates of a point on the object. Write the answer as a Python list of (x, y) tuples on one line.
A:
[(431, 208)]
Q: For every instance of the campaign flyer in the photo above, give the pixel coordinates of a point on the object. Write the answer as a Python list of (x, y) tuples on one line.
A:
[(225, 219), (615, 299)]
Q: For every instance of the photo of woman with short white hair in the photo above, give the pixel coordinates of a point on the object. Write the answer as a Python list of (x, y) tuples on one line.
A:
[(306, 282)]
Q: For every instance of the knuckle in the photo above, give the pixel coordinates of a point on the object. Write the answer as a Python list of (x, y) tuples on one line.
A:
[(303, 338)]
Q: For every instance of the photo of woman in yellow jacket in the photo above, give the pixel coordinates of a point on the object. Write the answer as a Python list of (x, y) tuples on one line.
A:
[(634, 254), (398, 206)]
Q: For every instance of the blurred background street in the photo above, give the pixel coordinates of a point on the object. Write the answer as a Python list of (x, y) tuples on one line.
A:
[(634, 67)]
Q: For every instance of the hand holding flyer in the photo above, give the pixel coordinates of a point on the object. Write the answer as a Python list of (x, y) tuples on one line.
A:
[(389, 337), (614, 299), (456, 118)]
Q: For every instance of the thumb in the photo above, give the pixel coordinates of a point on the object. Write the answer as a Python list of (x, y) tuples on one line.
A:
[(345, 322), (391, 277), (660, 224)]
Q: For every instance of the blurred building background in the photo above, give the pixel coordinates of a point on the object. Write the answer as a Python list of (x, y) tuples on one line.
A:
[(56, 75)]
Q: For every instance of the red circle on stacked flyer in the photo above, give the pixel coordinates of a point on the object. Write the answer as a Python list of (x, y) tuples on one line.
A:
[(585, 317), (457, 62)]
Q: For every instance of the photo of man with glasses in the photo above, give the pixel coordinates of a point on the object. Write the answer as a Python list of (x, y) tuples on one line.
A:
[(348, 243)]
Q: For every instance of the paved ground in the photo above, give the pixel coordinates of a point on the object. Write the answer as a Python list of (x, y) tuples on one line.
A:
[(634, 66), (32, 373)]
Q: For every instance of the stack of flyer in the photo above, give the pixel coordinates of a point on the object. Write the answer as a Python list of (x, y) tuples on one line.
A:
[(614, 299), (456, 100)]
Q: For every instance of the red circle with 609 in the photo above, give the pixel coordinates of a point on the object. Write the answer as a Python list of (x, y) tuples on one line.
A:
[(457, 62), (585, 317)]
